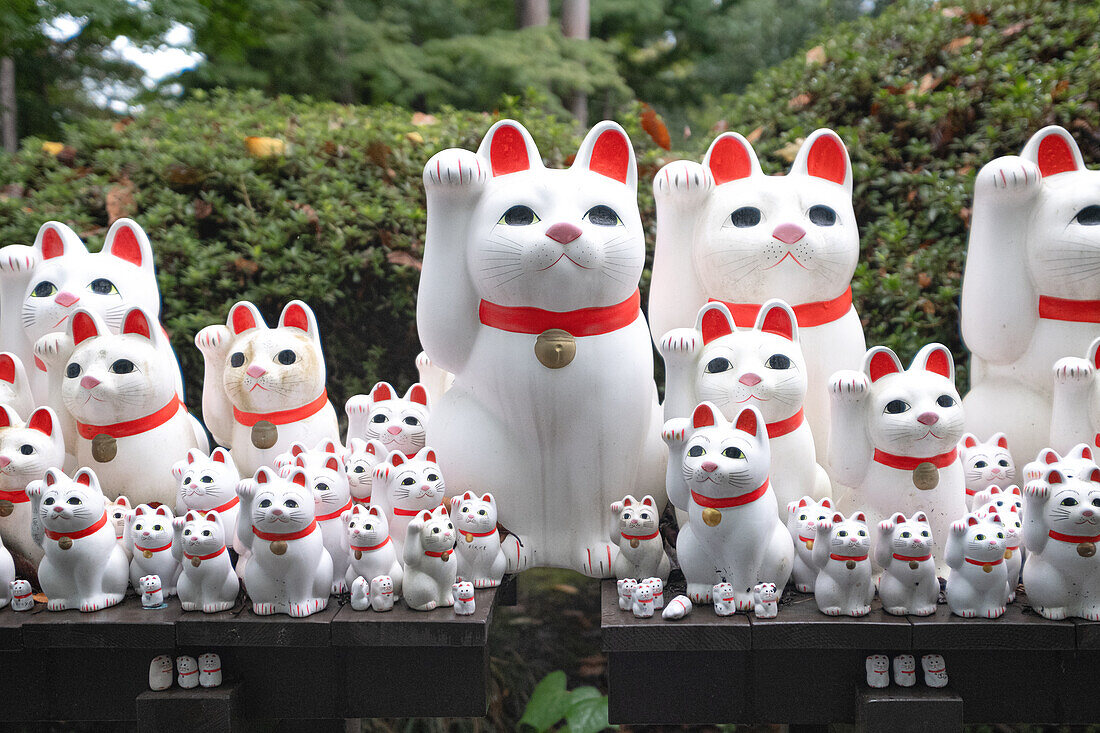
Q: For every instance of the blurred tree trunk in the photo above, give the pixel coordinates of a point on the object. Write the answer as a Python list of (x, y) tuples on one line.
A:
[(7, 102), (575, 24), (533, 13)]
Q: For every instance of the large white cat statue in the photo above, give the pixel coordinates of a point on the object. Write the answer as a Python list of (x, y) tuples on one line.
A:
[(26, 451)]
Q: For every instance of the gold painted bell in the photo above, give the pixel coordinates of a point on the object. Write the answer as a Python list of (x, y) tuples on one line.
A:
[(555, 348), (1008, 554), (195, 562), (469, 536), (358, 554), (104, 448), (913, 564), (65, 543), (278, 547), (147, 553), (926, 476), (712, 517), (1086, 549), (634, 542), (264, 435), (850, 564), (6, 508), (987, 568), (809, 544)]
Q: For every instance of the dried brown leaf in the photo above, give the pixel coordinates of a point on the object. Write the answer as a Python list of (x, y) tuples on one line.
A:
[(566, 588), (378, 152), (928, 82), (790, 151), (245, 266), (1015, 28), (655, 127), (815, 55), (755, 135), (202, 208), (122, 124), (419, 119), (958, 43), (1059, 88), (924, 280), (403, 258), (952, 12), (120, 200), (799, 101), (978, 18)]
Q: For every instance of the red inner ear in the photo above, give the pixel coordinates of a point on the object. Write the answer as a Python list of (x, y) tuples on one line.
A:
[(802, 502), (425, 516), (40, 421), (611, 155), (1002, 442), (937, 362), (125, 246), (826, 160), (418, 394), (83, 327), (971, 522), (777, 321), (838, 517), (397, 458), (647, 501), (381, 393), (702, 417), (746, 422), (1086, 453), (52, 244), (508, 151), (729, 160), (969, 441), (4, 421), (715, 325), (137, 323), (7, 369), (1055, 155), (827, 503), (332, 464), (242, 319), (861, 517), (295, 317), (487, 497), (1054, 478), (431, 456), (219, 456), (299, 478), (370, 449), (1049, 457), (84, 478), (881, 365)]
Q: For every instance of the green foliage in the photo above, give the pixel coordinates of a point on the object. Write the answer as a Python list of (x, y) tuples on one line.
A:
[(584, 708)]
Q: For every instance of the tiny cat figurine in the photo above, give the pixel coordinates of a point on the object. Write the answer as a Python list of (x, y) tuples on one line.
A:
[(904, 552), (210, 670), (718, 474), (658, 586), (1000, 498), (208, 582), (677, 608), (480, 555), (765, 600), (408, 485), (642, 603), (264, 388), (985, 464), (762, 366), (209, 484), (635, 531), (15, 390), (529, 291), (160, 672), (22, 598), (878, 671), (7, 575), (150, 533), (398, 424), (26, 451), (464, 598), (430, 571), (935, 670), (360, 594), (289, 570), (1061, 529), (905, 670), (843, 586), (803, 517), (626, 588), (83, 566), (152, 594), (725, 603), (123, 392), (382, 589), (359, 463), (187, 670), (977, 586), (895, 438), (117, 512), (1014, 554), (372, 552)]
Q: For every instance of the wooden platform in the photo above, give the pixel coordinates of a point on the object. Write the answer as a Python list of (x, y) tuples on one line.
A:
[(807, 668)]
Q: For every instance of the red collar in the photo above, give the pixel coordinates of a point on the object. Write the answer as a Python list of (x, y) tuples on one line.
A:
[(857, 558), (152, 549), (1063, 309), (583, 322), (908, 463), (227, 505), (15, 497), (638, 536), (805, 539), (79, 533), (22, 597), (998, 561), (970, 492), (204, 557), (912, 558), (411, 512), (133, 427), (361, 501), (335, 514), (282, 417), (735, 501), (372, 548), (1075, 539), (782, 427), (807, 314), (465, 599), (442, 553), (273, 536), (478, 534)]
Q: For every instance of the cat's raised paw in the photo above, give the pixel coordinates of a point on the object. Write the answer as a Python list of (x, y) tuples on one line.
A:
[(1010, 174), (210, 339), (18, 258), (848, 385), (1037, 490), (1071, 370), (680, 342), (685, 179), (455, 167)]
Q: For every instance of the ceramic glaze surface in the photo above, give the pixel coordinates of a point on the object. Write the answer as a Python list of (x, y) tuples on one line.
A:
[(765, 600), (359, 463), (977, 586), (903, 549), (636, 532), (407, 485), (209, 483), (878, 671), (210, 670), (463, 594), (905, 670), (372, 552), (26, 451), (677, 608), (207, 582), (1075, 410), (803, 517), (986, 464), (397, 423), (160, 672), (480, 555), (430, 568), (843, 586), (21, 596), (149, 532)]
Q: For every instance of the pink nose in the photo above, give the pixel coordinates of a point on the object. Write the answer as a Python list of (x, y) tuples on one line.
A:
[(88, 382), (255, 371), (928, 418), (65, 299), (563, 232), (4, 461), (1087, 513), (749, 380), (393, 430), (277, 512), (709, 466), (788, 233), (58, 509)]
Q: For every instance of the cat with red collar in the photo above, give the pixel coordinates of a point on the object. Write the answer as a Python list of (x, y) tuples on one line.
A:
[(26, 451), (844, 586), (371, 549), (430, 566), (208, 582), (209, 484), (406, 486), (635, 530), (480, 557), (977, 586), (150, 534)]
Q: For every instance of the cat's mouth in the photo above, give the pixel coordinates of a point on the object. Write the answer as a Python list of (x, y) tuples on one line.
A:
[(563, 255), (781, 259), (930, 433), (255, 385), (751, 397)]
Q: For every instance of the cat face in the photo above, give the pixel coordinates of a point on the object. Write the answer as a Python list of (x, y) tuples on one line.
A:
[(151, 528), (986, 463), (27, 451), (398, 423), (915, 412), (412, 482), (985, 539), (209, 662), (205, 481), (437, 534), (766, 592), (1073, 507), (161, 664), (381, 585), (905, 663), (722, 592), (362, 458), (462, 590), (557, 239), (367, 526), (108, 284), (203, 533), (849, 537), (70, 505), (1010, 517), (626, 587), (186, 664), (117, 512), (111, 378), (999, 500), (878, 663), (324, 469), (643, 593), (281, 505), (20, 587), (792, 237), (150, 583), (804, 516), (1079, 459), (638, 517), (723, 460), (473, 514), (911, 537), (272, 369)]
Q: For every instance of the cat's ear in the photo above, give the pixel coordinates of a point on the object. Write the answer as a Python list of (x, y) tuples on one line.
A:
[(509, 149), (704, 416), (921, 517), (880, 361), (137, 322), (937, 359), (85, 325), (11, 369), (162, 511), (329, 446), (244, 316), (838, 518), (898, 518), (87, 477), (426, 454), (971, 520), (750, 421), (731, 158), (1048, 456), (297, 314), (397, 458), (44, 420), (969, 440), (122, 501), (714, 321), (192, 516), (1094, 354), (1055, 477), (777, 317), (628, 500), (127, 241), (9, 417), (1054, 150), (418, 394), (333, 463), (374, 510), (1081, 450), (221, 455), (859, 517), (424, 515), (216, 518), (55, 239), (53, 475), (381, 392), (1013, 489), (265, 475), (298, 477), (647, 500), (467, 496), (489, 499), (297, 449), (824, 156), (606, 150), (375, 448)]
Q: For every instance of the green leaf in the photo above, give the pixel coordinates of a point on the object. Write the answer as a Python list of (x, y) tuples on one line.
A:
[(587, 711), (548, 703)]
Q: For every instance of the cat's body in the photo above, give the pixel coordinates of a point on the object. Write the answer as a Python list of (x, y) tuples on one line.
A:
[(765, 600), (480, 555), (725, 602), (398, 424), (430, 569), (209, 484), (208, 582), (635, 530), (803, 517), (372, 552), (1075, 408), (463, 593), (7, 576), (985, 464), (187, 672), (22, 597), (152, 591), (15, 388), (26, 451), (210, 670), (908, 584), (406, 486), (117, 512), (359, 463), (625, 587), (895, 437), (844, 586), (642, 603), (382, 593), (977, 586), (514, 251), (150, 534)]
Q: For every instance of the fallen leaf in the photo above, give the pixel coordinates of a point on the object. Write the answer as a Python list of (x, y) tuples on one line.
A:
[(924, 280), (264, 147), (655, 127), (403, 258), (120, 200), (964, 214), (896, 90), (180, 174), (40, 598), (1015, 28), (202, 208), (958, 43), (965, 170), (927, 306), (13, 191), (799, 101), (378, 152), (52, 148), (566, 588), (790, 151), (414, 137), (815, 55), (978, 18), (755, 135), (953, 12), (122, 124), (928, 83), (910, 196), (1060, 89), (419, 119), (246, 267)]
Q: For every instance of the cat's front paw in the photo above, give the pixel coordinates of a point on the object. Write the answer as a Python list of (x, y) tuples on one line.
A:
[(680, 343), (16, 258), (1009, 177), (177, 524), (1039, 490), (35, 488), (686, 180), (212, 339), (848, 385), (959, 527), (54, 348), (456, 167), (675, 431), (358, 405), (246, 489), (1072, 370), (885, 526)]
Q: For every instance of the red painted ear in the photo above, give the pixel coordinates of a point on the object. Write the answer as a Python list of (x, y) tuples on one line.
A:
[(861, 517), (899, 517), (703, 416), (882, 363), (124, 244), (381, 392), (122, 501), (52, 244), (373, 510), (397, 458), (137, 323), (628, 502), (827, 503), (1048, 456), (218, 455), (838, 517), (83, 326), (7, 368), (371, 449), (241, 318), (162, 510), (971, 521), (84, 478), (418, 394), (611, 156), (1002, 442), (747, 422), (50, 478), (508, 151), (467, 496), (329, 447), (776, 319), (431, 456), (5, 417), (1015, 491), (263, 476), (994, 517), (300, 462), (1086, 452), (729, 159), (921, 517), (333, 464), (714, 323), (425, 516), (647, 501), (299, 477), (938, 362), (295, 317), (969, 440), (827, 160), (41, 421), (1094, 475), (1055, 477), (1055, 155), (211, 516), (487, 497), (297, 449), (802, 502)]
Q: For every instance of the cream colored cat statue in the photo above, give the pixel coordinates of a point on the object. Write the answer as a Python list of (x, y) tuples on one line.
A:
[(26, 451)]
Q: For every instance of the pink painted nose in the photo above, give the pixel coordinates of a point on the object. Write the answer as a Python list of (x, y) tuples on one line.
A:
[(563, 232), (88, 382), (4, 461), (928, 418), (65, 299), (709, 466), (277, 512), (57, 509), (1087, 513), (255, 371), (393, 430), (749, 380), (788, 233)]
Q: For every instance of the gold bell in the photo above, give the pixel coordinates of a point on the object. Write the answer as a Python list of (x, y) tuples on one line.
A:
[(850, 564), (1008, 554), (195, 562), (635, 542), (712, 517), (104, 448), (555, 348), (358, 554), (278, 547), (6, 508), (469, 537), (926, 476), (987, 568), (809, 544), (65, 543), (147, 553), (913, 564), (1086, 549), (264, 435)]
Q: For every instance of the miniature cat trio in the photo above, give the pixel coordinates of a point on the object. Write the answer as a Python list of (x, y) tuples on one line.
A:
[(538, 371)]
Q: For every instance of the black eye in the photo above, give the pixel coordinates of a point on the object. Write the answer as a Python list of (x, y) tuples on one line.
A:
[(746, 216), (237, 359), (1000, 535), (44, 289), (894, 407), (802, 517), (925, 534), (862, 533), (290, 504), (519, 216), (733, 452), (465, 509), (411, 421), (1069, 501), (1096, 502), (778, 361), (603, 216), (945, 400), (286, 357), (1002, 463), (156, 527), (73, 500), (906, 535), (26, 449), (644, 515), (409, 481), (718, 365), (433, 477), (186, 533), (980, 464), (206, 533), (103, 286), (482, 512), (322, 486), (379, 418), (122, 366), (1089, 216), (265, 503), (48, 501), (435, 531), (821, 215), (695, 451), (842, 533), (73, 370), (358, 469), (207, 479)]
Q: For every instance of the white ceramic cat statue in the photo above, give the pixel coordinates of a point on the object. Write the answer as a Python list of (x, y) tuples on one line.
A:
[(677, 608), (903, 550), (464, 598), (187, 672), (905, 670), (152, 592), (382, 589), (878, 671), (1075, 410), (636, 532), (480, 555), (407, 485), (209, 484), (210, 670), (803, 517), (26, 451), (529, 292), (977, 586), (207, 582), (1014, 533), (264, 388), (727, 232), (398, 424), (658, 586), (360, 594), (22, 598), (985, 464), (718, 474), (895, 438), (83, 565), (843, 586), (359, 462), (762, 366), (160, 672), (15, 389), (1029, 293), (765, 600), (430, 569), (7, 576), (117, 511), (1061, 530), (150, 533), (935, 670), (725, 602), (372, 551), (626, 587), (289, 570), (642, 604)]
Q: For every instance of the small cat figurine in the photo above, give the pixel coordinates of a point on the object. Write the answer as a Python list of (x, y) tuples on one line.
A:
[(398, 424), (83, 566), (289, 570), (905, 670), (1000, 498), (7, 576), (26, 451), (642, 603), (658, 586), (430, 571), (626, 588), (985, 464), (635, 531), (1014, 554), (464, 598), (22, 598), (15, 390), (978, 583), (208, 582), (382, 590), (152, 593), (765, 600), (150, 533), (409, 485), (725, 603), (359, 463), (718, 474), (843, 586), (480, 555), (372, 551), (935, 670), (117, 511), (677, 608), (209, 484), (360, 594), (803, 517), (160, 672), (187, 672), (895, 438), (904, 552), (210, 670), (878, 671), (762, 366), (264, 388)]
